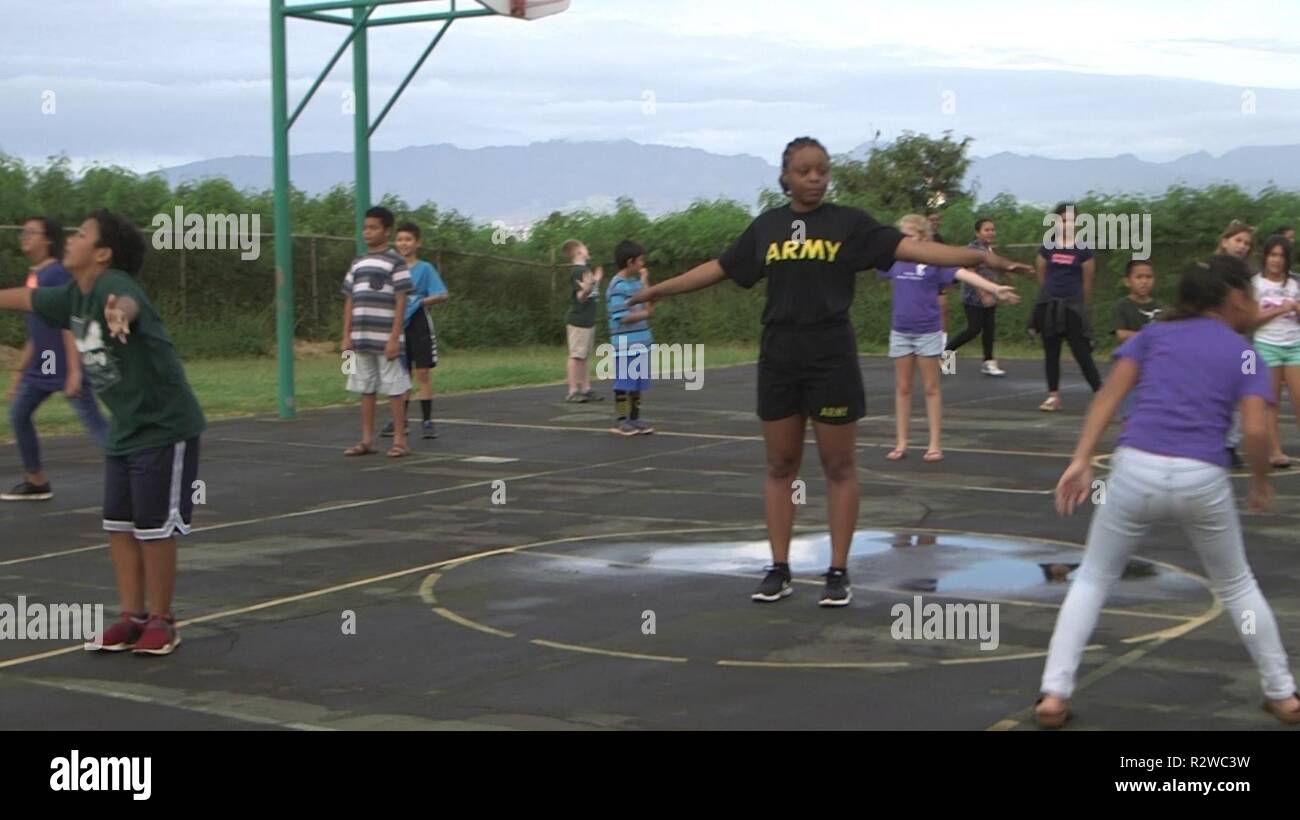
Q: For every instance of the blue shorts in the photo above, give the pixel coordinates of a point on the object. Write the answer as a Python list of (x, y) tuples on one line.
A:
[(915, 344), (632, 371)]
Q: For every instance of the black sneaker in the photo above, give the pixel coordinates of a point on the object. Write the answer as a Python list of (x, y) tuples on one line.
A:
[(775, 585), (1237, 462), (592, 395), (387, 432), (27, 491), (837, 592), (427, 426)]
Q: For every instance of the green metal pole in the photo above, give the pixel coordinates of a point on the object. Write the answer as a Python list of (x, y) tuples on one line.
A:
[(283, 227), (361, 122)]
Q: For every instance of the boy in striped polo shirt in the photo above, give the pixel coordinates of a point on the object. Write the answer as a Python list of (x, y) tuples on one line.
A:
[(375, 291)]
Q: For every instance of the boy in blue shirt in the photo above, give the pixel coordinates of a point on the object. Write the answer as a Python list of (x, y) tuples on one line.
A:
[(49, 364), (629, 333), (421, 356)]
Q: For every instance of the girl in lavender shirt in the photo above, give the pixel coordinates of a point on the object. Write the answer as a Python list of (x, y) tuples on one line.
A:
[(1190, 372), (916, 333)]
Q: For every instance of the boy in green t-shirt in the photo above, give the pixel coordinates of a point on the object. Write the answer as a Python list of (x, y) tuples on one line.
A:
[(153, 440), (580, 321), (1132, 313)]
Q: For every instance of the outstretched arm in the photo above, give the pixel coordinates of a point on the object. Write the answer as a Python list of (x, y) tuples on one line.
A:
[(16, 299), (698, 277), (933, 253), (1003, 292)]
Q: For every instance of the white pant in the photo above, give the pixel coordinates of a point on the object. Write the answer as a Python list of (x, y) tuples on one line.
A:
[(1145, 489)]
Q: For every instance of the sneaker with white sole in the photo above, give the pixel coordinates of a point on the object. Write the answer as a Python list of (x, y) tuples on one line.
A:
[(991, 368), (837, 591), (159, 637), (121, 635), (27, 491), (775, 585)]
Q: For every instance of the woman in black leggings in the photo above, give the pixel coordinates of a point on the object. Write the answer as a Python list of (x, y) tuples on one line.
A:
[(981, 309), (1065, 276)]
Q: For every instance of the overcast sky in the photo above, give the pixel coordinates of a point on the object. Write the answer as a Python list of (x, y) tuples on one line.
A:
[(153, 83)]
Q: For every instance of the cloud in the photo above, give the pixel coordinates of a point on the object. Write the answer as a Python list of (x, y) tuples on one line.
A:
[(155, 82)]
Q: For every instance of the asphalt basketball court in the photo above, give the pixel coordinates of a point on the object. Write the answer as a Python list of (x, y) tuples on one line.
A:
[(529, 570)]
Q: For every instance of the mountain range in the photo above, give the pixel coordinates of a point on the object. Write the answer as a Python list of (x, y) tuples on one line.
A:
[(519, 184)]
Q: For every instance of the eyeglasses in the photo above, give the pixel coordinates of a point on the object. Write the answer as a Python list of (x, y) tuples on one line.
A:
[(33, 232)]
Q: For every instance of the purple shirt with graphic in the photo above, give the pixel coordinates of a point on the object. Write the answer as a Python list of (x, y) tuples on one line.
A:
[(916, 295), (1192, 375)]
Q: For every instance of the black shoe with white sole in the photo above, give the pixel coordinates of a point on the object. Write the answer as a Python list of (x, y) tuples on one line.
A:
[(837, 591), (775, 585), (27, 491)]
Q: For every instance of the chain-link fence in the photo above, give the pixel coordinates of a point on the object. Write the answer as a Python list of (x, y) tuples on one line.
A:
[(215, 303), (218, 302)]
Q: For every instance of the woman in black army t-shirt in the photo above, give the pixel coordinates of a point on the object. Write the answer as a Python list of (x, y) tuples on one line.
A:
[(809, 251)]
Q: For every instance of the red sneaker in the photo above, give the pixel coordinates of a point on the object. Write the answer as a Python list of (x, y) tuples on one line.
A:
[(160, 637), (122, 635)]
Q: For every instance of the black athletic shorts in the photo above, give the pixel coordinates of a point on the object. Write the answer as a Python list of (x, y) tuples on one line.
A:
[(421, 343), (150, 493), (810, 370)]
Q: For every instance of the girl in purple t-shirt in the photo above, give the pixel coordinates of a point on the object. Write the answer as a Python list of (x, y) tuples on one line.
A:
[(916, 333), (1190, 372)]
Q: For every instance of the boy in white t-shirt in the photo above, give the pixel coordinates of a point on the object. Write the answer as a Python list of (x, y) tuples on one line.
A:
[(1277, 337)]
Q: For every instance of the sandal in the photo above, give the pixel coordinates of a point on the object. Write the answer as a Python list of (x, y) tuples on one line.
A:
[(1052, 720), (932, 455), (897, 454), (1283, 463), (398, 451), (1052, 405), (359, 449), (1290, 718)]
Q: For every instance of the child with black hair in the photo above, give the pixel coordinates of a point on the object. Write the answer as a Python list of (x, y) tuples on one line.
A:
[(1135, 311), (48, 364), (1236, 240), (153, 440), (1065, 275), (981, 307), (375, 290), (421, 340), (809, 251), (1170, 466), (629, 334), (1277, 334)]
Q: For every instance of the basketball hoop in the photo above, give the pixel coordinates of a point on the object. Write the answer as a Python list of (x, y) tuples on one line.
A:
[(526, 9)]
